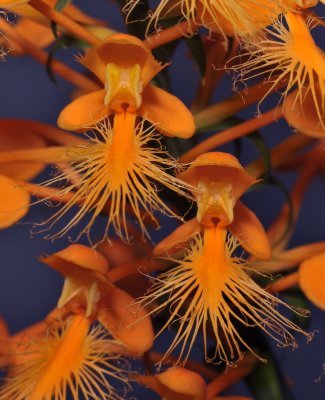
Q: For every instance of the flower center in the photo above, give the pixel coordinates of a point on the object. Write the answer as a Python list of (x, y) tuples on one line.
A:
[(123, 88), (215, 202)]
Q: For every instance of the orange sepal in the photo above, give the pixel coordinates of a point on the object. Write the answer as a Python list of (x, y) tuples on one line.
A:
[(121, 316), (76, 258), (175, 383), (14, 202), (303, 116), (218, 166), (13, 137), (84, 112), (184, 381), (311, 279), (180, 235), (167, 112), (250, 233), (125, 51)]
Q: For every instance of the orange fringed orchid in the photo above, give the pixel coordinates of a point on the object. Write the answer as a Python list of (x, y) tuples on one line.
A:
[(181, 384), (211, 287), (122, 159), (124, 66), (67, 353), (289, 55), (86, 282)]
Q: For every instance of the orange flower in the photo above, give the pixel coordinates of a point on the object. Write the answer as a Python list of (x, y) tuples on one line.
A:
[(66, 353), (211, 287), (290, 54), (220, 181), (87, 286), (125, 67), (232, 18), (123, 158)]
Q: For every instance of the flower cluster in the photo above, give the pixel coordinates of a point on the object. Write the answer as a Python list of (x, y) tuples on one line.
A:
[(128, 154)]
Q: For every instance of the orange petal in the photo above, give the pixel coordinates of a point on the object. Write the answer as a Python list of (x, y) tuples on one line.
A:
[(84, 112), (250, 233), (218, 166), (169, 114), (75, 258), (14, 202), (184, 381), (175, 384), (125, 51), (180, 235), (13, 137), (303, 116), (312, 278), (119, 314)]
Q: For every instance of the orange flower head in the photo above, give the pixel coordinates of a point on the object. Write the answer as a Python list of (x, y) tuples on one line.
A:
[(71, 357), (220, 180), (87, 287), (211, 290), (114, 175), (124, 66), (289, 54)]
